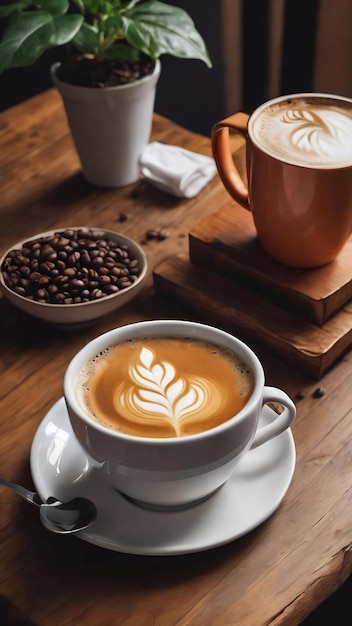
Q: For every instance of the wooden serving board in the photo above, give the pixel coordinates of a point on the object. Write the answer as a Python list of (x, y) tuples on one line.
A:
[(226, 243), (251, 315)]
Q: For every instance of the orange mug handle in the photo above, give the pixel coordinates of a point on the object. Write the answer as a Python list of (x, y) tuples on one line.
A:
[(228, 173)]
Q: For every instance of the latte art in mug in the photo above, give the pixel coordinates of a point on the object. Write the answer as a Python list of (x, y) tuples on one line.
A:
[(164, 387), (315, 133)]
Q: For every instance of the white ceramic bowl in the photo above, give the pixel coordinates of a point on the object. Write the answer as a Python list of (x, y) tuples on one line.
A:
[(82, 312)]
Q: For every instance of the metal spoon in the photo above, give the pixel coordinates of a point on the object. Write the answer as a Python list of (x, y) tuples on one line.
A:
[(58, 517)]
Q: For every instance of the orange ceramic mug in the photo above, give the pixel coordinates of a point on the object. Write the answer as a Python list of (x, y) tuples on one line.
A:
[(299, 171)]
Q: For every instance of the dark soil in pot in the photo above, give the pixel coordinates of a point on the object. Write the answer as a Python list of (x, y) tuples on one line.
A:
[(88, 72)]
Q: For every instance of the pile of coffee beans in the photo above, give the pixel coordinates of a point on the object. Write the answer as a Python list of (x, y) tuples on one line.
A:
[(70, 267)]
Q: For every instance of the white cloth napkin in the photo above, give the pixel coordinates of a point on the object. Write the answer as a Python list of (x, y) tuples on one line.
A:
[(180, 172)]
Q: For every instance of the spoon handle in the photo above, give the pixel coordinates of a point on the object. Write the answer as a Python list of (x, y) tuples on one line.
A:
[(30, 496)]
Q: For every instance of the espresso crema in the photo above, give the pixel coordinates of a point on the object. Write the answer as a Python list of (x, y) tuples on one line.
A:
[(313, 132), (164, 387)]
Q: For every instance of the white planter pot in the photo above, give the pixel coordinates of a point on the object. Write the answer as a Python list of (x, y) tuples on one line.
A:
[(110, 126)]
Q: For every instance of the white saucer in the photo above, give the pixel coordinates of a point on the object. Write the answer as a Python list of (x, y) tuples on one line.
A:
[(61, 468)]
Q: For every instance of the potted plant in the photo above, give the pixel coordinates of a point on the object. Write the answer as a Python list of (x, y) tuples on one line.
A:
[(108, 77)]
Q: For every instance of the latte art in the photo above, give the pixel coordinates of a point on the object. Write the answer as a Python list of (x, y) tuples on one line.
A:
[(324, 134), (311, 133), (164, 387), (155, 393)]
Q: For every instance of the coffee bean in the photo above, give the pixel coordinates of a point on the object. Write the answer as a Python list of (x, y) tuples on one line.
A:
[(151, 234), (25, 270), (111, 289), (69, 267), (43, 280), (31, 245), (124, 282), (162, 234), (34, 277), (92, 274), (46, 267), (60, 243), (58, 298), (61, 280), (109, 262), (97, 293), (85, 258), (52, 256), (69, 271), (103, 271), (69, 233), (98, 262), (318, 393), (76, 283), (73, 258), (8, 279), (46, 251), (104, 279)]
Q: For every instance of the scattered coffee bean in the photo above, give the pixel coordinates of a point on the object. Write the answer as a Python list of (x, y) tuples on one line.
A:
[(318, 393), (122, 217), (300, 395), (151, 234), (160, 235), (70, 267)]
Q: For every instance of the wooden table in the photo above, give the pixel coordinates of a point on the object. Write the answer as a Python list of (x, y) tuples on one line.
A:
[(278, 573)]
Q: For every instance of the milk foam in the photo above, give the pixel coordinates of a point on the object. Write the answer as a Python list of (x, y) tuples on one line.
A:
[(157, 393), (305, 132), (163, 387)]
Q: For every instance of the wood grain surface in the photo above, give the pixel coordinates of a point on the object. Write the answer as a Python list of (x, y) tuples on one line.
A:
[(241, 308), (226, 242), (278, 573)]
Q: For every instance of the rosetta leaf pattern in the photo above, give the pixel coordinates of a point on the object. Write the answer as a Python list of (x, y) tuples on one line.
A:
[(158, 395), (315, 133)]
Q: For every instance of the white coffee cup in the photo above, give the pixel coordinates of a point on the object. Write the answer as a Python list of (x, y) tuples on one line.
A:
[(174, 471)]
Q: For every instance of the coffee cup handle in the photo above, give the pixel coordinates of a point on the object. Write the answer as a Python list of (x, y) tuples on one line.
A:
[(228, 172), (281, 422)]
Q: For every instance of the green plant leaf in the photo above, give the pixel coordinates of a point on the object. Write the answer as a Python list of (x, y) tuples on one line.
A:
[(33, 33), (54, 7), (141, 38), (99, 28), (123, 52), (164, 29), (8, 9), (87, 39), (64, 29)]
